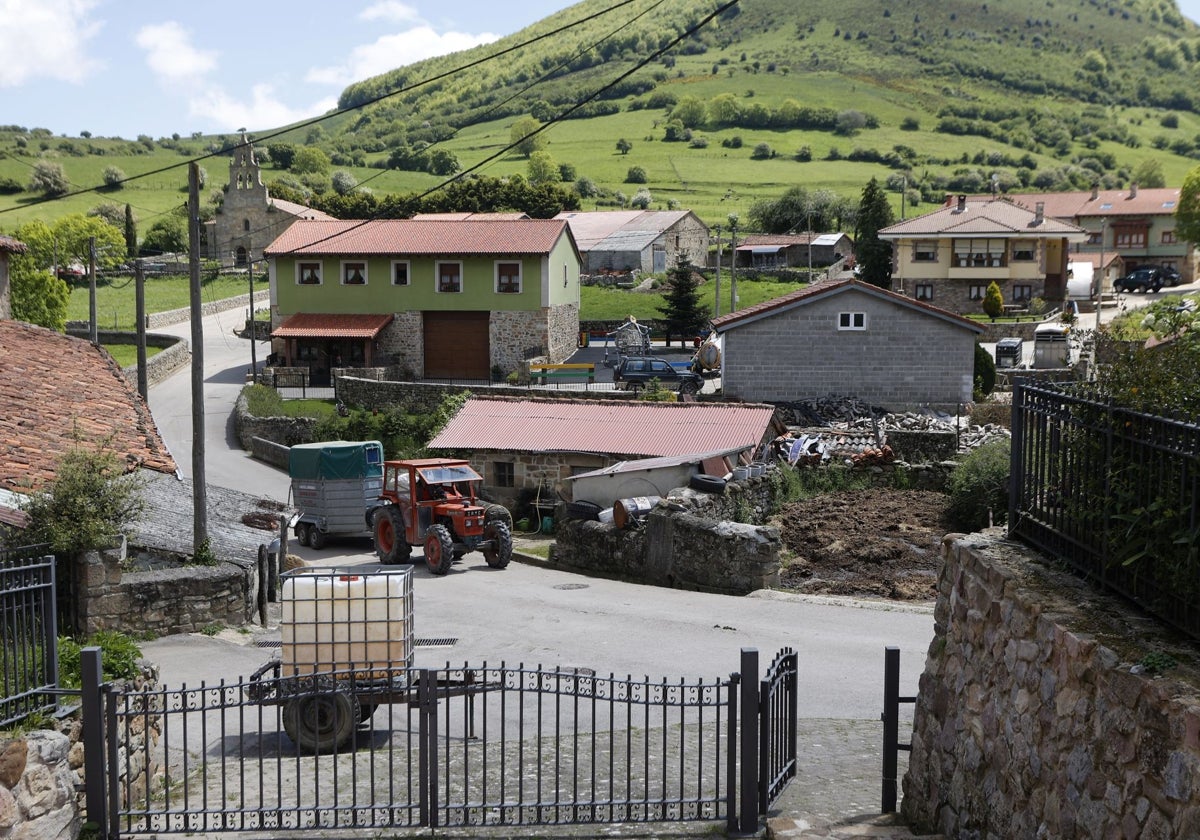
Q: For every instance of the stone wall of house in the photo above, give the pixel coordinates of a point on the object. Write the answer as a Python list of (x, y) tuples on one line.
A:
[(402, 343), (178, 599), (515, 333), (563, 327), (1037, 714)]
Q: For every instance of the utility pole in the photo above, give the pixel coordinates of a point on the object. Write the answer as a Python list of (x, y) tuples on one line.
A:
[(733, 298), (717, 290), (139, 276), (253, 325), (93, 329), (199, 486)]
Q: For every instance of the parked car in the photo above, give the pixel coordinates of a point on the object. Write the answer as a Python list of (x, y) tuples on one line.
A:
[(1170, 276), (1140, 280), (633, 373)]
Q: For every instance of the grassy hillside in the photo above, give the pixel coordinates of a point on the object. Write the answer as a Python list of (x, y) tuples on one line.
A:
[(1039, 93)]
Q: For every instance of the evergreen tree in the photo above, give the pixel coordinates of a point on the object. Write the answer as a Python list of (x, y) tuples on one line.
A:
[(683, 314), (993, 301), (131, 249), (874, 256)]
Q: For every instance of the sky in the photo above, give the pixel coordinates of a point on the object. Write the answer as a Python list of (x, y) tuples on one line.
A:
[(123, 68)]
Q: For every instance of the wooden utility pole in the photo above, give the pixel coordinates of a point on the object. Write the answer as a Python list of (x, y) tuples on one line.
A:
[(140, 297), (93, 329), (717, 287), (199, 487)]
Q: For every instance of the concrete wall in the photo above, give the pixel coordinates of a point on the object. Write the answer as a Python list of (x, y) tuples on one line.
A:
[(902, 360), (1035, 717)]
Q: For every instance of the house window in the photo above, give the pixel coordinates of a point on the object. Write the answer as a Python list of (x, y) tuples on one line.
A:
[(852, 320), (1023, 250), (1022, 293), (978, 291), (1131, 239), (924, 291), (508, 278), (354, 273), (1168, 237), (449, 277), (308, 273), (979, 253), (925, 252), (1095, 239), (400, 273), (503, 474)]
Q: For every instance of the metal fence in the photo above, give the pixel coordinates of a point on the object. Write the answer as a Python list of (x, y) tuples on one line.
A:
[(487, 747), (891, 727), (28, 635), (1113, 492)]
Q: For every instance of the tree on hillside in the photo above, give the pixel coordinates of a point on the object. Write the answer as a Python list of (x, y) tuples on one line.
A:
[(344, 182), (1187, 212), (522, 136), (130, 228), (168, 235), (1149, 174), (109, 212), (282, 154), (799, 209), (74, 234), (691, 111), (49, 179), (874, 256), (113, 176), (310, 160), (623, 146), (683, 313), (542, 168)]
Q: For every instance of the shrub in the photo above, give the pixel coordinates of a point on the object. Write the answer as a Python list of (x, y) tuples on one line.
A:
[(762, 151), (993, 301), (120, 656), (979, 488), (635, 175), (985, 372)]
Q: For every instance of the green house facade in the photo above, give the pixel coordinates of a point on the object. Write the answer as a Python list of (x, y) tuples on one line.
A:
[(439, 298)]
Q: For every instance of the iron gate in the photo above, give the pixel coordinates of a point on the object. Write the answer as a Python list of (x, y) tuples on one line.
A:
[(457, 747)]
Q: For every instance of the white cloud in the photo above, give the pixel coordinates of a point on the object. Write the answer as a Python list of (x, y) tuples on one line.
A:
[(392, 51), (264, 110), (391, 11), (170, 54), (46, 39)]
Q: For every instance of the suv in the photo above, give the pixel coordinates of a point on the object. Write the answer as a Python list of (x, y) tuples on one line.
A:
[(633, 373), (1170, 276), (1148, 279)]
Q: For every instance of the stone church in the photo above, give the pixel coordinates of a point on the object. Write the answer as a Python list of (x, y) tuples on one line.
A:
[(249, 219)]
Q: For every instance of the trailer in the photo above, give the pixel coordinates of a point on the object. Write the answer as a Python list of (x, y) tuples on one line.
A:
[(346, 648), (333, 484)]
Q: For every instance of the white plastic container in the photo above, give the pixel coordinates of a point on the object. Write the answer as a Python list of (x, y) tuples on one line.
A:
[(334, 620)]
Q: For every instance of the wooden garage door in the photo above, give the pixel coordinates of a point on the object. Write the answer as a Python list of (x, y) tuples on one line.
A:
[(456, 345)]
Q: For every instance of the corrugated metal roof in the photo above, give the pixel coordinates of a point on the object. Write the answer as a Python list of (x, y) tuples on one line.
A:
[(613, 427), (640, 464), (316, 325), (619, 230), (498, 236)]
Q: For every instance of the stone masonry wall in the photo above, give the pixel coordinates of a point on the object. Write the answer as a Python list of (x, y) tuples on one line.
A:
[(512, 333), (1036, 717)]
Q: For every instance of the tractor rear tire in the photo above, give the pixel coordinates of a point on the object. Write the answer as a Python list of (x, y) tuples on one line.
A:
[(439, 549), (302, 534), (391, 543), (501, 539)]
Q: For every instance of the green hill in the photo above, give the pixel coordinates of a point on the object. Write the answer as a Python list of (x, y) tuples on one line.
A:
[(936, 97)]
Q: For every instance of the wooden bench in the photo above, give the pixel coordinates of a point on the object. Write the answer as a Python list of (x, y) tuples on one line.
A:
[(543, 374)]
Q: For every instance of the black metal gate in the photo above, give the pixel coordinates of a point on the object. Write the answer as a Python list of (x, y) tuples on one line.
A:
[(461, 747)]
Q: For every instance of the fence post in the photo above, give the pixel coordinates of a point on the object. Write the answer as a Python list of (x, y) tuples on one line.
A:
[(427, 788), (748, 824), (93, 737), (731, 817), (1016, 479), (891, 725)]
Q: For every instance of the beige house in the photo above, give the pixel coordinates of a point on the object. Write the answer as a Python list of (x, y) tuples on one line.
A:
[(949, 257)]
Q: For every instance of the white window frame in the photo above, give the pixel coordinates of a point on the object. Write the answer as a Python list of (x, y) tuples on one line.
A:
[(407, 272), (317, 267), (349, 265), (437, 277), (855, 321), (925, 247), (520, 277), (1024, 245)]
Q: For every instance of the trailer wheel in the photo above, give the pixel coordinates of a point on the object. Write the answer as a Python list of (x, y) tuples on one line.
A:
[(365, 711), (316, 538), (500, 537), (391, 544), (321, 722), (439, 549), (302, 534)]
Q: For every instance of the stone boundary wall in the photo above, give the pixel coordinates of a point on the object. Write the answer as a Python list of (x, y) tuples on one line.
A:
[(178, 316), (175, 353), (1036, 716)]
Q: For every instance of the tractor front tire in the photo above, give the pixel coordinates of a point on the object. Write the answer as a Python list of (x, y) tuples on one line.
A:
[(439, 549), (391, 543), (500, 537)]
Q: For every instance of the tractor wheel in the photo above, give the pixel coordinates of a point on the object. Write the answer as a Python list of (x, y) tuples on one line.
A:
[(501, 539), (391, 543), (498, 513), (365, 711), (316, 538), (302, 534), (439, 549), (321, 722)]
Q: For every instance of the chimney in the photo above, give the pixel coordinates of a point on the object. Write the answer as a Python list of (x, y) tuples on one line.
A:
[(1039, 213), (949, 200), (1133, 190), (1095, 191), (962, 202)]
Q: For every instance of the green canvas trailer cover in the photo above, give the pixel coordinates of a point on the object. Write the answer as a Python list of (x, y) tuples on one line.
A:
[(336, 459)]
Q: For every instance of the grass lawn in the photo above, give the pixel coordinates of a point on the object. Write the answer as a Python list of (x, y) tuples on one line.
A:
[(116, 305), (126, 354), (597, 303)]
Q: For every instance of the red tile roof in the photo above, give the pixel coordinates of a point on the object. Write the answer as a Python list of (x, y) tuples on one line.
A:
[(57, 392), (420, 236), (983, 217), (315, 325), (11, 246), (817, 291), (1133, 202), (642, 429)]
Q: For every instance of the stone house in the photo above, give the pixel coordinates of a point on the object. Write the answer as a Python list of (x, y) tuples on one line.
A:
[(949, 257), (848, 338), (448, 299), (649, 241), (248, 218), (534, 445), (791, 250)]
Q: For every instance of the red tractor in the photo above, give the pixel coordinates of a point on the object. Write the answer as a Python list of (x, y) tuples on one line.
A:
[(431, 502)]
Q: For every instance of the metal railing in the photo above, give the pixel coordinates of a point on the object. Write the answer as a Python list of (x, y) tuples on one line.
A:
[(28, 635), (891, 727)]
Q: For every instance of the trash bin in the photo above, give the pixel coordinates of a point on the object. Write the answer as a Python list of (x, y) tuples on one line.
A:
[(1009, 352)]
